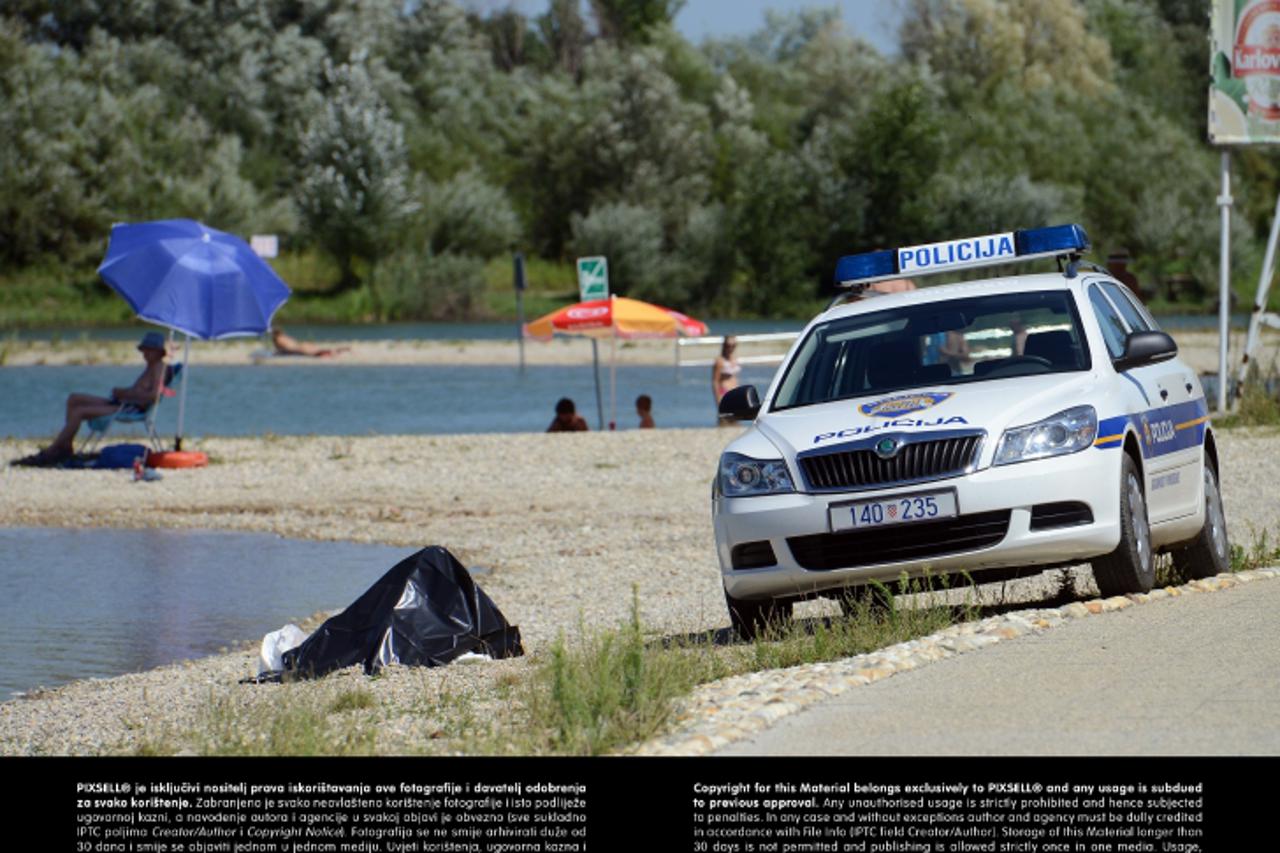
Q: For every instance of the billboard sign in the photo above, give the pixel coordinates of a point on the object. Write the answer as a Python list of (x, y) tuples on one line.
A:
[(1244, 92)]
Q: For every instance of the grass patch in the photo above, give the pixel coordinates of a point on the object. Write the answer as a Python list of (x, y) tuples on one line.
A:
[(358, 699), (603, 692), (612, 689), (291, 726), (1257, 406), (1260, 554), (871, 622)]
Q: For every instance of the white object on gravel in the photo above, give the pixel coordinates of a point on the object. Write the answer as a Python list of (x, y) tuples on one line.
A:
[(275, 644)]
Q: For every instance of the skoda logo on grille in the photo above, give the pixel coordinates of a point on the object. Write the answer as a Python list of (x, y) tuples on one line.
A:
[(887, 448)]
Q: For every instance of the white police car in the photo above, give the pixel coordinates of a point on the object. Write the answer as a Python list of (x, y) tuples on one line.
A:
[(983, 427)]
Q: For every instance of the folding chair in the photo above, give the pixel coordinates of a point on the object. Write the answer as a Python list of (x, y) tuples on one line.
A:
[(131, 413)]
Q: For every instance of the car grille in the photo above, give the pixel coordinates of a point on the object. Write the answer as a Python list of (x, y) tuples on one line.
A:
[(899, 542), (915, 462)]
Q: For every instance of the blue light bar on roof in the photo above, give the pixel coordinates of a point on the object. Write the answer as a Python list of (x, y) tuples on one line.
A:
[(985, 251)]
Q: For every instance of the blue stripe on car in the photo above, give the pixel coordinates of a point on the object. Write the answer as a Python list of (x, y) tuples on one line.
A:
[(1165, 429)]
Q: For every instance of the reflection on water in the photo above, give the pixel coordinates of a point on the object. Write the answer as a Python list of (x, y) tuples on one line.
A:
[(97, 603)]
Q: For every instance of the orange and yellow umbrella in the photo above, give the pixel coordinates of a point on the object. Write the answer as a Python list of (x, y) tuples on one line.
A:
[(613, 318), (618, 317)]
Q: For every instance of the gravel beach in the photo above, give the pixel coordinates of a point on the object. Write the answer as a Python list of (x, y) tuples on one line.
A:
[(567, 524)]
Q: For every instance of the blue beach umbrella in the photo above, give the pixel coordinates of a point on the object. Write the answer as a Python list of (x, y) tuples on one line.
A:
[(193, 279)]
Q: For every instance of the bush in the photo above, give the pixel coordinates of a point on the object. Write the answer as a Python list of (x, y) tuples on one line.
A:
[(467, 216), (630, 236), (426, 286)]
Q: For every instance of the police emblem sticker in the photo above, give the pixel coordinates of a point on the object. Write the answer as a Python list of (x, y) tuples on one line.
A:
[(903, 404)]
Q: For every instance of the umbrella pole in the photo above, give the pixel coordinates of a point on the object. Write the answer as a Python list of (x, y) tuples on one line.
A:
[(182, 393), (613, 380), (595, 363)]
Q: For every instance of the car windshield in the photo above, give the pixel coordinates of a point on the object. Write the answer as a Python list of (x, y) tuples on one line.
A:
[(938, 343)]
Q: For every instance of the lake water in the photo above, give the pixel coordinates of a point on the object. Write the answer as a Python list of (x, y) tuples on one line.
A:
[(337, 399), (98, 603)]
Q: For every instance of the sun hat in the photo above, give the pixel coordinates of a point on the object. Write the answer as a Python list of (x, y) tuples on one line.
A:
[(152, 340)]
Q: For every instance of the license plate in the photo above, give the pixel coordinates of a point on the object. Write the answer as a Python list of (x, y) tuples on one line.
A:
[(900, 509)]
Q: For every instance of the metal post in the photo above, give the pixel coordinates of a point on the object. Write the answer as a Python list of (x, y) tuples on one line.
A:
[(520, 327), (1260, 301), (182, 394), (1224, 280), (595, 364), (613, 378), (517, 263)]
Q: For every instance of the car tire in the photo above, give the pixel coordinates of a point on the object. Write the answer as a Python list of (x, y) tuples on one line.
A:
[(752, 618), (1130, 568), (1209, 553)]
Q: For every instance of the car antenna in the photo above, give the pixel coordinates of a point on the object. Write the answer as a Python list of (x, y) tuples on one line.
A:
[(1069, 264), (851, 290)]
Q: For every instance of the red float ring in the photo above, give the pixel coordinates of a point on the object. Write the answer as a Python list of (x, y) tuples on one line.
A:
[(177, 459)]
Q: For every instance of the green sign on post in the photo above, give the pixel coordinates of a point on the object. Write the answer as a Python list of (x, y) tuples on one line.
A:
[(593, 278)]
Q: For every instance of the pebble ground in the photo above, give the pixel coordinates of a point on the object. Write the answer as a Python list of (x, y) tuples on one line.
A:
[(569, 526)]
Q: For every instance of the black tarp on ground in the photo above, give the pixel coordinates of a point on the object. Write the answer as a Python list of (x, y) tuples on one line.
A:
[(426, 611)]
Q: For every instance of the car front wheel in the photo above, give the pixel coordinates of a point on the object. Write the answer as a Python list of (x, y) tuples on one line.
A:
[(1131, 566), (1209, 553), (752, 618)]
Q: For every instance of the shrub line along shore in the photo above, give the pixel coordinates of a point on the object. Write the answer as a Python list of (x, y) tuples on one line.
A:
[(569, 526), (1198, 348)]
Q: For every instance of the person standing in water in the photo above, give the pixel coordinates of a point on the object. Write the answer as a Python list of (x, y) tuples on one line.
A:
[(724, 373), (644, 408)]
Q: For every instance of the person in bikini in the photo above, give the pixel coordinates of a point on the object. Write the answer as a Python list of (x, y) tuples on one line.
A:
[(724, 373), (82, 407)]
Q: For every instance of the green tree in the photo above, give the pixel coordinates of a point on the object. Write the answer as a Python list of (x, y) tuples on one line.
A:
[(630, 236), (356, 190), (630, 21), (565, 34), (975, 44)]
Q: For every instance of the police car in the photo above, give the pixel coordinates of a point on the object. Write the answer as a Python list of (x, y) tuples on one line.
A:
[(983, 427)]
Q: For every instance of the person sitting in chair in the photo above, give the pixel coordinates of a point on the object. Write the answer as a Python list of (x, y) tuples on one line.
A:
[(82, 407)]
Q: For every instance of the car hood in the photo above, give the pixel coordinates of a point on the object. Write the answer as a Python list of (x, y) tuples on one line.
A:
[(992, 405)]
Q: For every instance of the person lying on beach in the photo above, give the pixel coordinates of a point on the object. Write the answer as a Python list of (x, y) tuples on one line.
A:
[(288, 345), (567, 418), (82, 407), (644, 408)]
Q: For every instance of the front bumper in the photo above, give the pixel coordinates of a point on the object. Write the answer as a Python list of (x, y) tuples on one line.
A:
[(1090, 477)]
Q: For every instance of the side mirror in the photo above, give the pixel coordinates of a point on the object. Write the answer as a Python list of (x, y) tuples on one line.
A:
[(1143, 348), (740, 404)]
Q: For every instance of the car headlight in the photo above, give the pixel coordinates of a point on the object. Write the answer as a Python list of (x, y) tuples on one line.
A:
[(741, 476), (1066, 432)]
